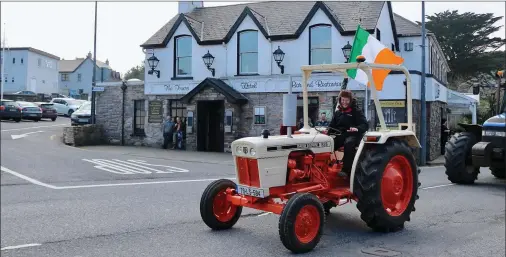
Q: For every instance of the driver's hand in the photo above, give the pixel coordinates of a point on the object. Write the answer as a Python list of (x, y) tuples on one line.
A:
[(353, 129)]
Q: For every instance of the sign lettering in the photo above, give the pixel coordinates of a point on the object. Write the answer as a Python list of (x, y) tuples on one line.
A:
[(248, 85), (155, 112), (314, 145), (172, 88), (317, 84)]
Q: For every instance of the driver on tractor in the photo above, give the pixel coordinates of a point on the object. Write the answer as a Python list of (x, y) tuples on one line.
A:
[(352, 124)]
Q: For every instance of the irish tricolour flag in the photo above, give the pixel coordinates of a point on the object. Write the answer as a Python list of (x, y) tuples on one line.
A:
[(374, 52)]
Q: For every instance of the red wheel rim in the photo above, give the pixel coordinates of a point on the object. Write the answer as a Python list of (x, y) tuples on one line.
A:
[(307, 224), (397, 185), (223, 210)]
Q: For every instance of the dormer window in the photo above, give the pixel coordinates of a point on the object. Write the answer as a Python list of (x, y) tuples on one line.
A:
[(320, 44), (183, 56), (247, 52)]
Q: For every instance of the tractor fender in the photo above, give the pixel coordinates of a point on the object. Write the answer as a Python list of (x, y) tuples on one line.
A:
[(475, 129), (383, 136)]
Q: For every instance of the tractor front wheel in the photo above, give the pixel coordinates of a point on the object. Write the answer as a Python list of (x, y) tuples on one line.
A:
[(498, 172), (458, 164), (386, 185), (216, 211), (301, 223)]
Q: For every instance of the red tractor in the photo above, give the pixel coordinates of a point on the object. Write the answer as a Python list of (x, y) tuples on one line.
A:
[(296, 177)]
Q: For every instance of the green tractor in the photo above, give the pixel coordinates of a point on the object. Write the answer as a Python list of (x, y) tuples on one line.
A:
[(479, 146)]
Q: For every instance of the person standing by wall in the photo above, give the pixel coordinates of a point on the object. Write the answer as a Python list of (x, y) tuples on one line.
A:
[(168, 131), (179, 134)]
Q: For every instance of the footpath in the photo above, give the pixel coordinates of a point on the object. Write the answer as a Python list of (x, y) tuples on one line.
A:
[(165, 154)]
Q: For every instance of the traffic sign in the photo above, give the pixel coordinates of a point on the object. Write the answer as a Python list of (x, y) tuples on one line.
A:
[(98, 89)]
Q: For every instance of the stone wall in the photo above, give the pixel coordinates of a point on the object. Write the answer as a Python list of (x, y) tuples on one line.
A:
[(88, 134), (436, 111)]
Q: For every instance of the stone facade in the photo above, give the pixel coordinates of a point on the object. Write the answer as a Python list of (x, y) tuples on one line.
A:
[(83, 135)]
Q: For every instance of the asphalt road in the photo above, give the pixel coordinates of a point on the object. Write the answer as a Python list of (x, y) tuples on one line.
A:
[(57, 200)]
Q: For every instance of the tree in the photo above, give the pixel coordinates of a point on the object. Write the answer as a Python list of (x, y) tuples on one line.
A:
[(465, 39), (136, 72)]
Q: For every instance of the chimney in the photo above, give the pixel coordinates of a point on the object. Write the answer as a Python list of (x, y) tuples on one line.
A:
[(107, 61), (188, 6), (89, 55)]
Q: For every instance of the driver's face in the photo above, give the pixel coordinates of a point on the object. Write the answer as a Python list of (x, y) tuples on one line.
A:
[(345, 102)]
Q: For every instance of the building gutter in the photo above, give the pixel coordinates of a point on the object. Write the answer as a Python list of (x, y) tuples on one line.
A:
[(123, 89)]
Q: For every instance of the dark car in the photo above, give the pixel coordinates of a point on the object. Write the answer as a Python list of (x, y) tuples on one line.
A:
[(48, 110), (82, 115), (10, 110), (30, 111)]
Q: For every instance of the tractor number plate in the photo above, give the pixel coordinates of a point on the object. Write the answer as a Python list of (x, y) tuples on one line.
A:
[(256, 192)]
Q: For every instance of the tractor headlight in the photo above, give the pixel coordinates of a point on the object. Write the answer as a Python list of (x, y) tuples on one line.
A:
[(238, 149), (252, 151)]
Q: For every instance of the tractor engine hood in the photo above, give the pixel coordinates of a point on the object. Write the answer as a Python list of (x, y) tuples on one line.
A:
[(276, 146), (497, 122)]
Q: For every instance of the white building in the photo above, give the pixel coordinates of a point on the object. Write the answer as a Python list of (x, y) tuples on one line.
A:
[(244, 95), (30, 69)]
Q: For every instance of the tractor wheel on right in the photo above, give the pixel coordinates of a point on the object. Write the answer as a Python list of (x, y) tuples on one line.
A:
[(498, 172), (458, 163), (386, 185)]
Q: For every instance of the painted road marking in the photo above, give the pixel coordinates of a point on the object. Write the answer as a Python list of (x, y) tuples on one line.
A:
[(132, 167), (39, 183), (16, 129), (19, 246), (445, 185), (25, 134)]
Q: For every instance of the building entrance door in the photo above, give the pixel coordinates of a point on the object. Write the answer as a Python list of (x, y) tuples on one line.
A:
[(33, 85), (210, 127)]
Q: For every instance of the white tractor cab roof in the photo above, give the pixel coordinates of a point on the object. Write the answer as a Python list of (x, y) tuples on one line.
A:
[(366, 67)]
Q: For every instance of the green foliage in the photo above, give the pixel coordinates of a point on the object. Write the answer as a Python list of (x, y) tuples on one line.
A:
[(136, 72), (466, 40)]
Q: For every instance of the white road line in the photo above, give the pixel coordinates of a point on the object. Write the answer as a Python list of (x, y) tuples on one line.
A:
[(19, 246), (432, 167), (16, 129), (263, 214), (31, 180), (445, 185), (36, 182)]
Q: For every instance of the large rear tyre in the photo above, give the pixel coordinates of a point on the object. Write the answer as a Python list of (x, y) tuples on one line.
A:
[(386, 185), (458, 162), (216, 212), (301, 223), (498, 172)]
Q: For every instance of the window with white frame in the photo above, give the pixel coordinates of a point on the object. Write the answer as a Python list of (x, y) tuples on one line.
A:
[(64, 77), (260, 115), (320, 43), (408, 46), (183, 55), (247, 53)]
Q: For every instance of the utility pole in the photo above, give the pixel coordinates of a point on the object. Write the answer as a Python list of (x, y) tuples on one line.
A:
[(94, 70), (423, 116), (2, 79)]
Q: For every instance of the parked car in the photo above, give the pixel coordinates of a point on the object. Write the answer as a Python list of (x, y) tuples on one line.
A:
[(48, 110), (10, 110), (25, 92), (65, 106), (82, 115), (30, 111)]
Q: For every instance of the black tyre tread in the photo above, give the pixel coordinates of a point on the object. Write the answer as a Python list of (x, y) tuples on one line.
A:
[(457, 157), (206, 205), (368, 181), (498, 172), (287, 222)]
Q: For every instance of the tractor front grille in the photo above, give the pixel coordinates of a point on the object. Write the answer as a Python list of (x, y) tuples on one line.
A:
[(247, 172)]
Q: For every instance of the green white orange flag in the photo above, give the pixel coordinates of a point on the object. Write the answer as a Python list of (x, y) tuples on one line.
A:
[(374, 52)]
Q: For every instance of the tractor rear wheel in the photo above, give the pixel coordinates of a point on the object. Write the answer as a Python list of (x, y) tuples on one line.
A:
[(215, 210), (301, 223), (386, 185), (498, 172), (458, 163)]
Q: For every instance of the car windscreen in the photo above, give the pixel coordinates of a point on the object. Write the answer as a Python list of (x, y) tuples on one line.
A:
[(86, 107), (73, 102)]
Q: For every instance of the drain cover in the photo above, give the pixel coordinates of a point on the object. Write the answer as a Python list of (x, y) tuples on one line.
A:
[(380, 251)]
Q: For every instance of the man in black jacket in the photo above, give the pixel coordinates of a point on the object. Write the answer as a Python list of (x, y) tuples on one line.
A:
[(349, 119)]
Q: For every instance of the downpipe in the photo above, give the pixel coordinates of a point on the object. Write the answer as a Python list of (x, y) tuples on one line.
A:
[(123, 89)]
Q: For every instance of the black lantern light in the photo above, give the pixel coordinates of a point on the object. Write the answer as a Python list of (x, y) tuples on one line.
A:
[(347, 51), (208, 61), (279, 55), (153, 62)]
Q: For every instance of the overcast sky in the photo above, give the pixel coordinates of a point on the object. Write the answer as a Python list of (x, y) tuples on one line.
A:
[(65, 29)]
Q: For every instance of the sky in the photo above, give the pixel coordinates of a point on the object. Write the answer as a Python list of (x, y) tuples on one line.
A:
[(66, 29)]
